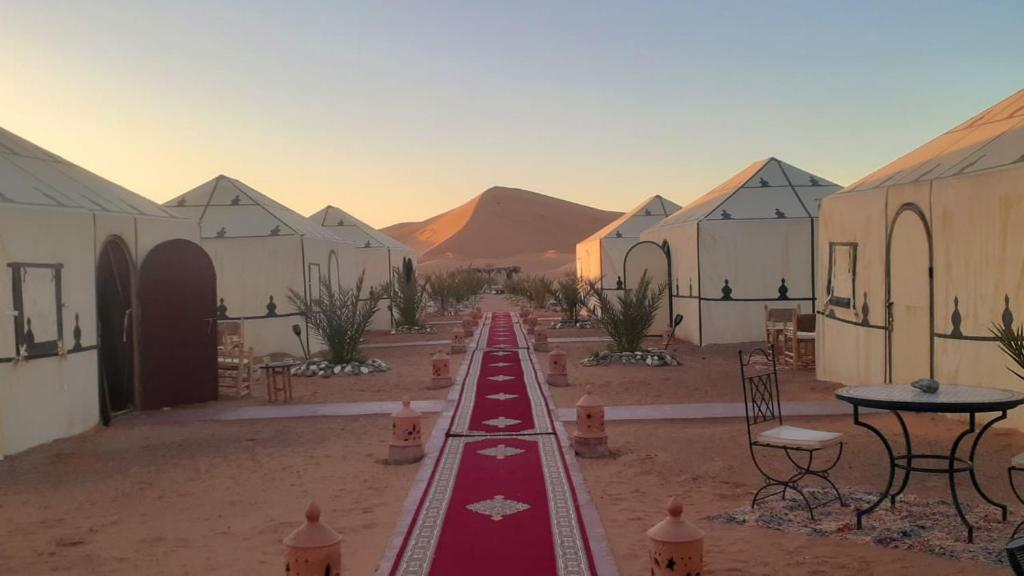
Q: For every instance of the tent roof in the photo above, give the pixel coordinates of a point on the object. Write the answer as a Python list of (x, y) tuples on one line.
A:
[(348, 227), (228, 208), (32, 176), (632, 223), (990, 140), (767, 189)]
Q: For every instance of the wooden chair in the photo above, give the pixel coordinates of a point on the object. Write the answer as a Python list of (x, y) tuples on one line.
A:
[(766, 432), (235, 370), (799, 340), (776, 322)]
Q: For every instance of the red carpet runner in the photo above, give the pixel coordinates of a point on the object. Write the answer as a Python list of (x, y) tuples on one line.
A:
[(500, 501)]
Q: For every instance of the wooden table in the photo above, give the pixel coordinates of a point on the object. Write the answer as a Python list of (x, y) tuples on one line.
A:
[(949, 399), (272, 371)]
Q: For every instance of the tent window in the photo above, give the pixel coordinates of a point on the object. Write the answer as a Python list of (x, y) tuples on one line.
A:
[(842, 274), (38, 319), (314, 286)]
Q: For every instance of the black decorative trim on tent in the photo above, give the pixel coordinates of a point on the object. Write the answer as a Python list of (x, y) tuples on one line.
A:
[(222, 310), (264, 317), (271, 307), (8, 360), (850, 322), (24, 338), (956, 320), (775, 299), (783, 290), (726, 291)]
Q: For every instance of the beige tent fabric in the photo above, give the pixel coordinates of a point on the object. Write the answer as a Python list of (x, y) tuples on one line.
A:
[(262, 251), (967, 185), (375, 253), (747, 243), (600, 255), (53, 212)]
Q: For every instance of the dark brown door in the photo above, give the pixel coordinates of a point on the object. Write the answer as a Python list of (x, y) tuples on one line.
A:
[(114, 323), (177, 336)]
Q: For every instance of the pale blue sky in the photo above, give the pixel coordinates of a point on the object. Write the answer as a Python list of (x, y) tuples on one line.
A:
[(396, 110)]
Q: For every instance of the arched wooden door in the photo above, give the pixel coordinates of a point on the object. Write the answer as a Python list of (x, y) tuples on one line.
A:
[(114, 289), (910, 297), (177, 332), (652, 259)]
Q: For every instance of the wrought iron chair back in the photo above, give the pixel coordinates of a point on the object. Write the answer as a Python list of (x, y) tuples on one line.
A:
[(761, 400), (1015, 554)]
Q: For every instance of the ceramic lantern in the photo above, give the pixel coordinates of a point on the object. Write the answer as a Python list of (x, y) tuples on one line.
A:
[(441, 376), (675, 545), (458, 341), (590, 439), (468, 325), (558, 374), (540, 340), (313, 548), (406, 435)]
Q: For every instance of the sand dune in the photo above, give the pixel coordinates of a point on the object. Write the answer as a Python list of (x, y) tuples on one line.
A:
[(504, 227)]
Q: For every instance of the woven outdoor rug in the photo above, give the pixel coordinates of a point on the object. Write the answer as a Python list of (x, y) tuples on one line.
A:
[(920, 525), (500, 499)]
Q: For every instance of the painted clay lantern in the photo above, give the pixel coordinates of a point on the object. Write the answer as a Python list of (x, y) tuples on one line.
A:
[(558, 374), (313, 548), (676, 546), (540, 340), (458, 341), (590, 439), (441, 375), (468, 325), (406, 435)]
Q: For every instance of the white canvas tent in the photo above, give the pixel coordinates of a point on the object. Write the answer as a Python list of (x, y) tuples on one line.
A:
[(601, 255), (746, 243), (262, 250), (376, 253), (938, 235), (74, 249)]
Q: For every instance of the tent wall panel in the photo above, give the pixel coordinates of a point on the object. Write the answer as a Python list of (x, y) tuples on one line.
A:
[(732, 322), (588, 260), (754, 256), (689, 330), (613, 253), (849, 353), (649, 258)]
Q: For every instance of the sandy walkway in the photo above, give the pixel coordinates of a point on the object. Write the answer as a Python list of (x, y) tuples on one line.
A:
[(198, 498)]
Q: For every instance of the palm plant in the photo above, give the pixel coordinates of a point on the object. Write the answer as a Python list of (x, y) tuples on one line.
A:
[(1011, 342), (539, 289), (570, 296), (408, 294), (627, 319), (339, 317), (452, 289)]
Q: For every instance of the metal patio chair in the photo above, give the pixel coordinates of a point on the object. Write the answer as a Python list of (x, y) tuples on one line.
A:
[(1016, 465), (766, 431)]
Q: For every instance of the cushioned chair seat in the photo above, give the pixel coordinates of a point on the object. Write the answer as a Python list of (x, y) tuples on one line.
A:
[(795, 437), (805, 335), (1018, 460)]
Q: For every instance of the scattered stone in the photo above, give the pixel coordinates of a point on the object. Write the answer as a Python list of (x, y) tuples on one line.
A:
[(425, 329), (654, 358), (563, 324), (323, 369)]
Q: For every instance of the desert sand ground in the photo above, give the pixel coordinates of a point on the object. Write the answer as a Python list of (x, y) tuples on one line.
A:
[(146, 497)]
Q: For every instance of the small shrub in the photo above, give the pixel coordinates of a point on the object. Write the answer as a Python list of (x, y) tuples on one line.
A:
[(455, 288), (628, 318), (340, 317), (570, 296), (408, 294)]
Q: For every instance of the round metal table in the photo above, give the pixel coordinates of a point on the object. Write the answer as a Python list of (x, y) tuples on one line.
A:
[(949, 399)]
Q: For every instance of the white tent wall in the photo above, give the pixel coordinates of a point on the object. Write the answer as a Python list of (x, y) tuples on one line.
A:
[(850, 345), (685, 287), (51, 397), (245, 287), (613, 254), (376, 262)]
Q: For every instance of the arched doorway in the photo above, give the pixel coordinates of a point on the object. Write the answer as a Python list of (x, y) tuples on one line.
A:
[(333, 277), (653, 259), (177, 329), (115, 279), (910, 297)]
